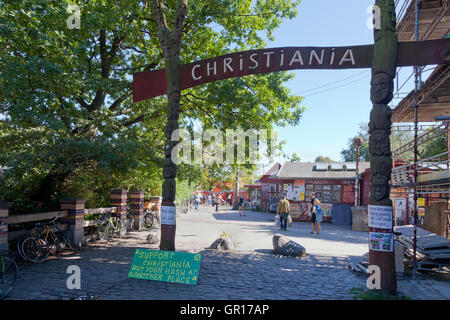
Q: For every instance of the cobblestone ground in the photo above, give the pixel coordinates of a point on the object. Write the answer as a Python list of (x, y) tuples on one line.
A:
[(249, 272)]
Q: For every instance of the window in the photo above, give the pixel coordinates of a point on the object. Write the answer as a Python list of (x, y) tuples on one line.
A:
[(325, 193), (327, 196), (336, 196)]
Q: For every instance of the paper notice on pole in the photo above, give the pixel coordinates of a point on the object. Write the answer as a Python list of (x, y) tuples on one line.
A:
[(168, 215), (381, 241), (380, 217)]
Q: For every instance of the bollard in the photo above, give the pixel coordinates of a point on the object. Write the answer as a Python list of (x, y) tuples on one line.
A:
[(137, 209), (75, 220), (118, 199)]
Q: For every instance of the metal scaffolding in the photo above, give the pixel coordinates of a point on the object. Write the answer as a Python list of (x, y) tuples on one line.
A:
[(420, 20)]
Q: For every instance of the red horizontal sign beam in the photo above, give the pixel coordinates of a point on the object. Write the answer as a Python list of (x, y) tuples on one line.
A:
[(150, 84)]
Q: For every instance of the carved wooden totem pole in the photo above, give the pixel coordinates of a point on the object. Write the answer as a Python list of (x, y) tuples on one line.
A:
[(381, 248), (170, 41)]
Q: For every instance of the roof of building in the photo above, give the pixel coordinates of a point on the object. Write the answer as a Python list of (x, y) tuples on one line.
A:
[(273, 170), (302, 170)]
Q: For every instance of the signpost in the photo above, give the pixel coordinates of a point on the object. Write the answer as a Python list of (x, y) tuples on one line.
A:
[(168, 266)]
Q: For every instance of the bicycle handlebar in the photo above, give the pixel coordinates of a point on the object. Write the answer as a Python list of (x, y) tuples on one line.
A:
[(52, 221)]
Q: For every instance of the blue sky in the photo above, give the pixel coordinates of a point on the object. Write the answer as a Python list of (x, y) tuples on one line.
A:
[(331, 117)]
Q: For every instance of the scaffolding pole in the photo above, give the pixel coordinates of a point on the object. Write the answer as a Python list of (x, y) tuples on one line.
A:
[(416, 120)]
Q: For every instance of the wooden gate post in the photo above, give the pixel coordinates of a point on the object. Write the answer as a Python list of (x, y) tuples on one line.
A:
[(381, 247), (75, 219), (137, 209), (118, 199)]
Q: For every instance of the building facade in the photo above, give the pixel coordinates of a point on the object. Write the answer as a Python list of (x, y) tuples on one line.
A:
[(332, 183)]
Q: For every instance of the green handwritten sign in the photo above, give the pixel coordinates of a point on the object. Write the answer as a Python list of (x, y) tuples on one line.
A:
[(168, 266)]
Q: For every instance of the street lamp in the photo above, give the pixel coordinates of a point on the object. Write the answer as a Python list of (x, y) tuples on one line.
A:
[(357, 142)]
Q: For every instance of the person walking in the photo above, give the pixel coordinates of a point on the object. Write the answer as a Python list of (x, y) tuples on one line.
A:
[(318, 211), (216, 202), (196, 202), (311, 212), (241, 206), (283, 212)]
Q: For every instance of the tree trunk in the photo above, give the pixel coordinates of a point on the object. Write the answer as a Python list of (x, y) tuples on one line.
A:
[(236, 191)]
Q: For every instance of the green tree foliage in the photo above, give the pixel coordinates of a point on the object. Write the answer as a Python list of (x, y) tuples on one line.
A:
[(68, 126), (434, 147), (295, 158), (323, 159), (349, 154)]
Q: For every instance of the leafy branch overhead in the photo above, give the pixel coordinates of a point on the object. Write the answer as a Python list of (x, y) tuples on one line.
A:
[(67, 120)]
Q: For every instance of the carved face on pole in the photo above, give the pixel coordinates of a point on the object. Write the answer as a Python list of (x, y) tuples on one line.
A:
[(381, 88), (380, 118), (379, 143), (381, 166), (380, 188)]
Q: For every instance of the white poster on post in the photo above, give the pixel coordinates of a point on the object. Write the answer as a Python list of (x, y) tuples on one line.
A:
[(380, 217), (400, 208), (168, 215)]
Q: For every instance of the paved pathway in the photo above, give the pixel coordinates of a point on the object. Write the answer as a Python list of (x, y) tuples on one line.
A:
[(250, 272)]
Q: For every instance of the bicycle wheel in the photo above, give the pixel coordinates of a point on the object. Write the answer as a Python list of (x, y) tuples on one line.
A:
[(8, 275), (105, 231), (35, 249), (19, 248)]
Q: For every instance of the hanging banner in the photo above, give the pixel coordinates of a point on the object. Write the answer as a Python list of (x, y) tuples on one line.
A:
[(380, 217), (381, 241)]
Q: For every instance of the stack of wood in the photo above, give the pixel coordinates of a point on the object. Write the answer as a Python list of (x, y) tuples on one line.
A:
[(362, 266), (432, 250)]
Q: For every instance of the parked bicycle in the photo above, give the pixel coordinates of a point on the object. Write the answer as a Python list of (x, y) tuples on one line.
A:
[(111, 226), (9, 271), (43, 241)]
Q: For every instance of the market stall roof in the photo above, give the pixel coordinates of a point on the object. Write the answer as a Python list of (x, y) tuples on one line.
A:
[(307, 170), (433, 99), (434, 20)]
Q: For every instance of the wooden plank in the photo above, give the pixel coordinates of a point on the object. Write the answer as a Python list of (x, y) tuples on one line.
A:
[(13, 235), (445, 250), (425, 239), (439, 256), (91, 223), (100, 210), (34, 217)]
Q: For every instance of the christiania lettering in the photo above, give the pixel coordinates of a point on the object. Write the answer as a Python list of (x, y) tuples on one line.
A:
[(276, 59)]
